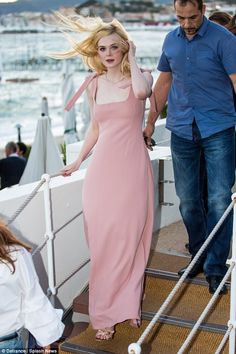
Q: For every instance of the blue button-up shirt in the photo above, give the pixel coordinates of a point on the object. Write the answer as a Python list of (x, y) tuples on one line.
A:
[(201, 87)]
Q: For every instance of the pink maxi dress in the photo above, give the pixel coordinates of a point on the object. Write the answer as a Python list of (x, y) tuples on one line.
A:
[(118, 210)]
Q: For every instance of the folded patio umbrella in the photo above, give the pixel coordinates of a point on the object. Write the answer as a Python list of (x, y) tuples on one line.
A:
[(44, 155)]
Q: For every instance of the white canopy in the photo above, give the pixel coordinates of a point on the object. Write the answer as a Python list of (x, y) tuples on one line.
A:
[(44, 155)]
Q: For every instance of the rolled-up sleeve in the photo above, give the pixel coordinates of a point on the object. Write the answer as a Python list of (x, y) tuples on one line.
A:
[(40, 318), (163, 64), (228, 54)]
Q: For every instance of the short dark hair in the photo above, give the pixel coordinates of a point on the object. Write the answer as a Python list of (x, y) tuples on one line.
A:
[(11, 146), (22, 147), (199, 3)]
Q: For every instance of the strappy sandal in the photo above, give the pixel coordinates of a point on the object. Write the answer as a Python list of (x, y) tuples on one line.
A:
[(105, 334), (136, 323)]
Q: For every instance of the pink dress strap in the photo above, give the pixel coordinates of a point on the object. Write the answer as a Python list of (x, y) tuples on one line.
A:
[(82, 88), (153, 107)]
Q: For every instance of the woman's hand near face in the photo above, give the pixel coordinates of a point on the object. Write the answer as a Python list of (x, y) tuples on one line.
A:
[(141, 81)]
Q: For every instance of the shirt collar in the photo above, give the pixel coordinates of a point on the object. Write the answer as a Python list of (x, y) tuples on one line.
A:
[(201, 31)]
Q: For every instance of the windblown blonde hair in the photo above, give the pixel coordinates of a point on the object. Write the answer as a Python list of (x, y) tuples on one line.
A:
[(88, 47), (8, 239)]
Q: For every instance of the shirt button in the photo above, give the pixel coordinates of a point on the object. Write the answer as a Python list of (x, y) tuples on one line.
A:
[(187, 58)]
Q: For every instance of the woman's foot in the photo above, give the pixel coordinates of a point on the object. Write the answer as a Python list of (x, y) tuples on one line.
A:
[(136, 323), (105, 334)]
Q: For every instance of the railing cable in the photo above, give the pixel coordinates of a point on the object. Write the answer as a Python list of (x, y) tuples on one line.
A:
[(67, 222), (135, 348), (83, 264), (206, 310), (40, 247), (224, 339), (26, 202)]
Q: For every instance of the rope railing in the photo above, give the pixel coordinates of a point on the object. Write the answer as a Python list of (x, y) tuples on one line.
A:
[(135, 348), (224, 339), (41, 246), (26, 201), (206, 310), (29, 198)]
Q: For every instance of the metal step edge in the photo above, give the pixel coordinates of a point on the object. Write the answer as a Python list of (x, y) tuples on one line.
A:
[(179, 322), (78, 349), (163, 274)]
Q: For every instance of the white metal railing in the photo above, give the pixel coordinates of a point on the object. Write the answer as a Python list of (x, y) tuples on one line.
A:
[(49, 235), (135, 348), (232, 320), (49, 232)]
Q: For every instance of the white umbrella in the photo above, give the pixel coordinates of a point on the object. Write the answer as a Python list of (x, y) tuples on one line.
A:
[(44, 155), (44, 107), (70, 134), (1, 69)]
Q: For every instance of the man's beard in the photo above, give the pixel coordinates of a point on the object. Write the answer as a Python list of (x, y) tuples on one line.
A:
[(190, 30)]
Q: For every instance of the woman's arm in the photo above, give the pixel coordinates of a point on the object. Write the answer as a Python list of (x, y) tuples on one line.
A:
[(161, 90), (40, 318), (141, 81), (89, 142), (233, 79)]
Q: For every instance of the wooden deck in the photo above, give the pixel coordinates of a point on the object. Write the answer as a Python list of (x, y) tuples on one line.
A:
[(171, 239)]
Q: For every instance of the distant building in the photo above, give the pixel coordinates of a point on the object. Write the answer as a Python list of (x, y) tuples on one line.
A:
[(136, 5), (93, 8)]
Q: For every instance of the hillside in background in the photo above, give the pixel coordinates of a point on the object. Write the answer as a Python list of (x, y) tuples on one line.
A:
[(49, 5), (46, 5), (36, 5)]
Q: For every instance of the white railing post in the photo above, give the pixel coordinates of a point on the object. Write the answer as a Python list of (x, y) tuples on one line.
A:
[(49, 235), (232, 320)]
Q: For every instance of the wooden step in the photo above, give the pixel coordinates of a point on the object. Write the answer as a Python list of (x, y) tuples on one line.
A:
[(175, 323), (81, 303), (187, 304), (164, 339), (157, 262)]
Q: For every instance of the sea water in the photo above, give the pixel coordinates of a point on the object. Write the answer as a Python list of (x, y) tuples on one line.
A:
[(20, 103)]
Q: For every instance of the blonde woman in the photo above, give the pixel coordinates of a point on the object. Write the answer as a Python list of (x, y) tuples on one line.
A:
[(23, 303), (118, 188)]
